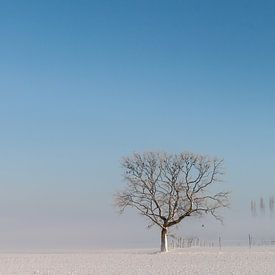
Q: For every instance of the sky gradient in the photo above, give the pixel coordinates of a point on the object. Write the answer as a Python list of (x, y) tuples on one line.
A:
[(84, 83)]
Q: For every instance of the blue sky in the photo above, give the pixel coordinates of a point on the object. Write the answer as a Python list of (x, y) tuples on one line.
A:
[(84, 83)]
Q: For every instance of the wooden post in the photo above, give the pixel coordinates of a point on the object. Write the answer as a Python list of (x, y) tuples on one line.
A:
[(249, 240)]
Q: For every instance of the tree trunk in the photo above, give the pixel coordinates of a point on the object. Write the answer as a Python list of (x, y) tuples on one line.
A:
[(163, 239)]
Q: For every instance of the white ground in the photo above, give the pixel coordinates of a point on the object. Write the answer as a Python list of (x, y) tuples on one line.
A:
[(196, 260)]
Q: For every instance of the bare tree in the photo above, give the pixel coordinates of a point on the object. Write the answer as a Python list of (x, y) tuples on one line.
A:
[(166, 188), (253, 208), (262, 205), (271, 205)]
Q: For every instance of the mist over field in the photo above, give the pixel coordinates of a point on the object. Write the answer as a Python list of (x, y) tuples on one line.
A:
[(87, 84)]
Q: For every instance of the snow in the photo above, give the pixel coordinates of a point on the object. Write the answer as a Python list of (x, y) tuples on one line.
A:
[(195, 260)]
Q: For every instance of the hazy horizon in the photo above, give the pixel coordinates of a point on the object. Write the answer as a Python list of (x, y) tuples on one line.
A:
[(85, 83)]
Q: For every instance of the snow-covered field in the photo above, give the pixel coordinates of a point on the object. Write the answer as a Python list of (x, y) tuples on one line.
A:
[(195, 260)]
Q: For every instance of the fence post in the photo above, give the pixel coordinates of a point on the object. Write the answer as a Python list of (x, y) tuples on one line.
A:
[(249, 240)]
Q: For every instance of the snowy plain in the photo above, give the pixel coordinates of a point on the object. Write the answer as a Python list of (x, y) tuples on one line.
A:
[(194, 260)]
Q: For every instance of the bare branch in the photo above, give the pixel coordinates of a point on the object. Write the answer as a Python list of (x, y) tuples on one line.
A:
[(166, 188)]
